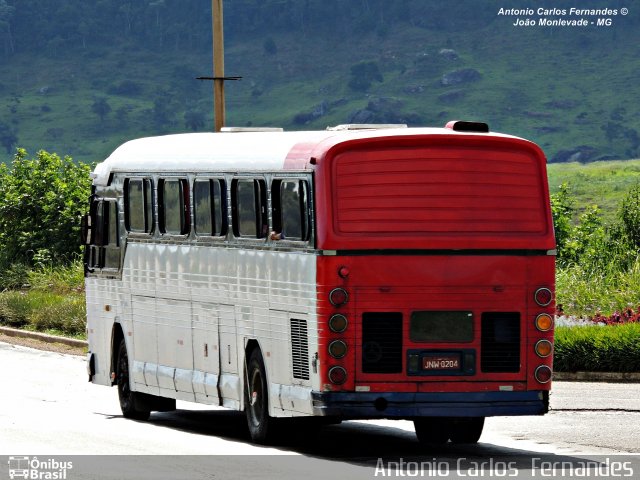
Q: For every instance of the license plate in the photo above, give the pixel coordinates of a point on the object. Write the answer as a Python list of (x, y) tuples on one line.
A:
[(441, 362)]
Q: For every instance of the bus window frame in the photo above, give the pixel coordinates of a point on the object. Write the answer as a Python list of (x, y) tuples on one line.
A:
[(224, 216), (261, 207), (184, 208), (304, 208), (103, 238), (148, 206)]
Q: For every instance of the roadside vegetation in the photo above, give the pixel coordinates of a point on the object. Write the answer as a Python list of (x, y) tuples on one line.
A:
[(41, 275), (598, 277)]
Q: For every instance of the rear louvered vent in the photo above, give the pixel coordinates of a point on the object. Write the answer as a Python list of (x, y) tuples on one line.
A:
[(382, 342), (300, 349), (500, 342)]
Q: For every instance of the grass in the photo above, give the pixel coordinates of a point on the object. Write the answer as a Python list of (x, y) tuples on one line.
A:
[(598, 349), (54, 302), (608, 290), (519, 81), (599, 183)]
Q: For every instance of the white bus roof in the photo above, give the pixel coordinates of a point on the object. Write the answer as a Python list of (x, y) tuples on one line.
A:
[(234, 151)]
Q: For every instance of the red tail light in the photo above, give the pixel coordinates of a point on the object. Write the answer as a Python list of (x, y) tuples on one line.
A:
[(337, 375), (338, 297), (543, 297)]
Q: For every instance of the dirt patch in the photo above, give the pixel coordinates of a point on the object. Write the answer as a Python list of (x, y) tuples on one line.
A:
[(40, 345)]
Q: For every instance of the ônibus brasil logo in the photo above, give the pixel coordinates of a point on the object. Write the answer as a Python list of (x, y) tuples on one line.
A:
[(33, 468)]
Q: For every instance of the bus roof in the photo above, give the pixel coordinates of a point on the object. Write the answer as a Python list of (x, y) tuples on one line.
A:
[(244, 151)]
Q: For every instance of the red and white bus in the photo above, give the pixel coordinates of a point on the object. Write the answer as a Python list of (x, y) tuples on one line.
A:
[(361, 272)]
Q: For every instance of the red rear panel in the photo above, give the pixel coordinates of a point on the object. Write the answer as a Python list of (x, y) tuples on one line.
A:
[(435, 192), (445, 240)]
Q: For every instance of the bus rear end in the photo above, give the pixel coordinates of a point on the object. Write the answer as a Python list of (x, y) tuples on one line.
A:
[(436, 280)]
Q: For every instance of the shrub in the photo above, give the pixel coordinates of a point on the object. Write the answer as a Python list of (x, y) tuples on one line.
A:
[(598, 349), (15, 308), (41, 202)]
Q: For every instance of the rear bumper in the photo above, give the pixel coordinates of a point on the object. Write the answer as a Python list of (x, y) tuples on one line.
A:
[(350, 405)]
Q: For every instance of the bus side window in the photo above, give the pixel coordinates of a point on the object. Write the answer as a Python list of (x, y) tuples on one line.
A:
[(209, 207), (137, 205), (291, 209), (173, 205), (249, 204), (103, 249)]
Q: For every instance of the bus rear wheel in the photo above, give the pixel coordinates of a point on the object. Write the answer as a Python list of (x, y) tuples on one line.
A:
[(432, 430), (466, 430), (125, 395), (439, 430), (257, 400)]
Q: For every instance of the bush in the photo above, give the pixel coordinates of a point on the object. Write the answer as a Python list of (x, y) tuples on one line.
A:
[(597, 348), (41, 203)]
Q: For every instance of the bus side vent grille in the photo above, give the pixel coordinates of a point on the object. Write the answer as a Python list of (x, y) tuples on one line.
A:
[(500, 346), (382, 342), (300, 349)]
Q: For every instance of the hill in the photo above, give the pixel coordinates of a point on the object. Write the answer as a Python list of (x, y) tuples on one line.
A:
[(79, 77), (599, 183)]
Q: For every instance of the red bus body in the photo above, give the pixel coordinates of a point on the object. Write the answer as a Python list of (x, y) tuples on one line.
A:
[(455, 225)]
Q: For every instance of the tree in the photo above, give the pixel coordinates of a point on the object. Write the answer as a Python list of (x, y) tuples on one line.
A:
[(41, 202), (562, 211), (101, 108), (363, 74), (194, 119), (629, 215), (6, 12), (8, 136)]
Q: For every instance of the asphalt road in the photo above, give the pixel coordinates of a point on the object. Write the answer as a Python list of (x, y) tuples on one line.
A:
[(49, 410)]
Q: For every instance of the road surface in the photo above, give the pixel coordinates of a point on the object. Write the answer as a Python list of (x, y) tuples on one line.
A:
[(49, 410)]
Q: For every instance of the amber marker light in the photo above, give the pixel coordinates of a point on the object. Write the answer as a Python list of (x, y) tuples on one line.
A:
[(544, 322), (337, 349), (338, 323), (544, 348)]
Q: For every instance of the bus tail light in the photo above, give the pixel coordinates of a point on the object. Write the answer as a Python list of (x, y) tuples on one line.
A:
[(337, 349), (543, 296), (337, 375), (543, 374), (544, 348), (338, 297), (338, 323), (544, 322)]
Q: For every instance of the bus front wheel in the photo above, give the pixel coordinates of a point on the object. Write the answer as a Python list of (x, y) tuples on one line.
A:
[(256, 400), (125, 395)]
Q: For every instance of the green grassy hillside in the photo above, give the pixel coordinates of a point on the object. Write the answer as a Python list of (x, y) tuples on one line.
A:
[(599, 183), (569, 90)]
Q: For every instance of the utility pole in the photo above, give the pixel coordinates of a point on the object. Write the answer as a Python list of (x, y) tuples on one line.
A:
[(218, 65)]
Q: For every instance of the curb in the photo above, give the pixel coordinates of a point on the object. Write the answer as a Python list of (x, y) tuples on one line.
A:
[(15, 332), (628, 377)]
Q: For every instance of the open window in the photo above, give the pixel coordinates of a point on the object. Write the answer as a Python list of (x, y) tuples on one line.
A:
[(290, 203), (249, 208), (101, 236)]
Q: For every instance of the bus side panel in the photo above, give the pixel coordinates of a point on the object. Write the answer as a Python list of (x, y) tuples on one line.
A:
[(102, 311)]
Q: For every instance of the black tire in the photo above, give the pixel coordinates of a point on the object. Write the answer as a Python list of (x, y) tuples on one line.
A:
[(256, 405), (466, 430), (432, 430), (125, 395)]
